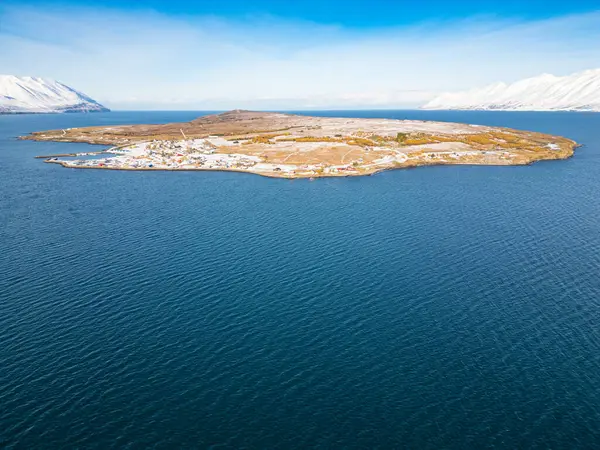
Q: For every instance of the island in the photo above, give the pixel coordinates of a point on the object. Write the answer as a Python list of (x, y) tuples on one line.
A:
[(296, 146)]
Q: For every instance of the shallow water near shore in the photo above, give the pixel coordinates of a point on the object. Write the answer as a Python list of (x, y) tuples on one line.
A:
[(438, 307)]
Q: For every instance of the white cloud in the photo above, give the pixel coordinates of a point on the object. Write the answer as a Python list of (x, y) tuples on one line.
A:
[(147, 60)]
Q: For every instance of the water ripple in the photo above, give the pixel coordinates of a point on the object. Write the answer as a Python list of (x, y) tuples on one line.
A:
[(433, 308)]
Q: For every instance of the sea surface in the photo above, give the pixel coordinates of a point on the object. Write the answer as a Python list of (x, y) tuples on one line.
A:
[(439, 307)]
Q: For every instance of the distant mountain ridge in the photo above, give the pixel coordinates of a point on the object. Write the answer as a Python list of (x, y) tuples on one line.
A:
[(20, 95), (577, 92)]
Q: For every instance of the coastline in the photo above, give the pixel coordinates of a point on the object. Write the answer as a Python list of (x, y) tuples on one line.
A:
[(289, 146), (66, 165)]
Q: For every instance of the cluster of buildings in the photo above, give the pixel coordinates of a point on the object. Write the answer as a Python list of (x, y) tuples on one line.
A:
[(194, 154), (184, 154), (209, 154)]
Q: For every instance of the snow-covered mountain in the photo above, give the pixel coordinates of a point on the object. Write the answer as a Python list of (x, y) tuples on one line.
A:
[(577, 92), (41, 95)]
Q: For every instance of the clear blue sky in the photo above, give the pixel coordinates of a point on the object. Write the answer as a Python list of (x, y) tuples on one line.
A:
[(285, 54), (355, 13)]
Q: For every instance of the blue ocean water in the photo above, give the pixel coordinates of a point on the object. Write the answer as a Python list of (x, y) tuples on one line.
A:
[(438, 307)]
